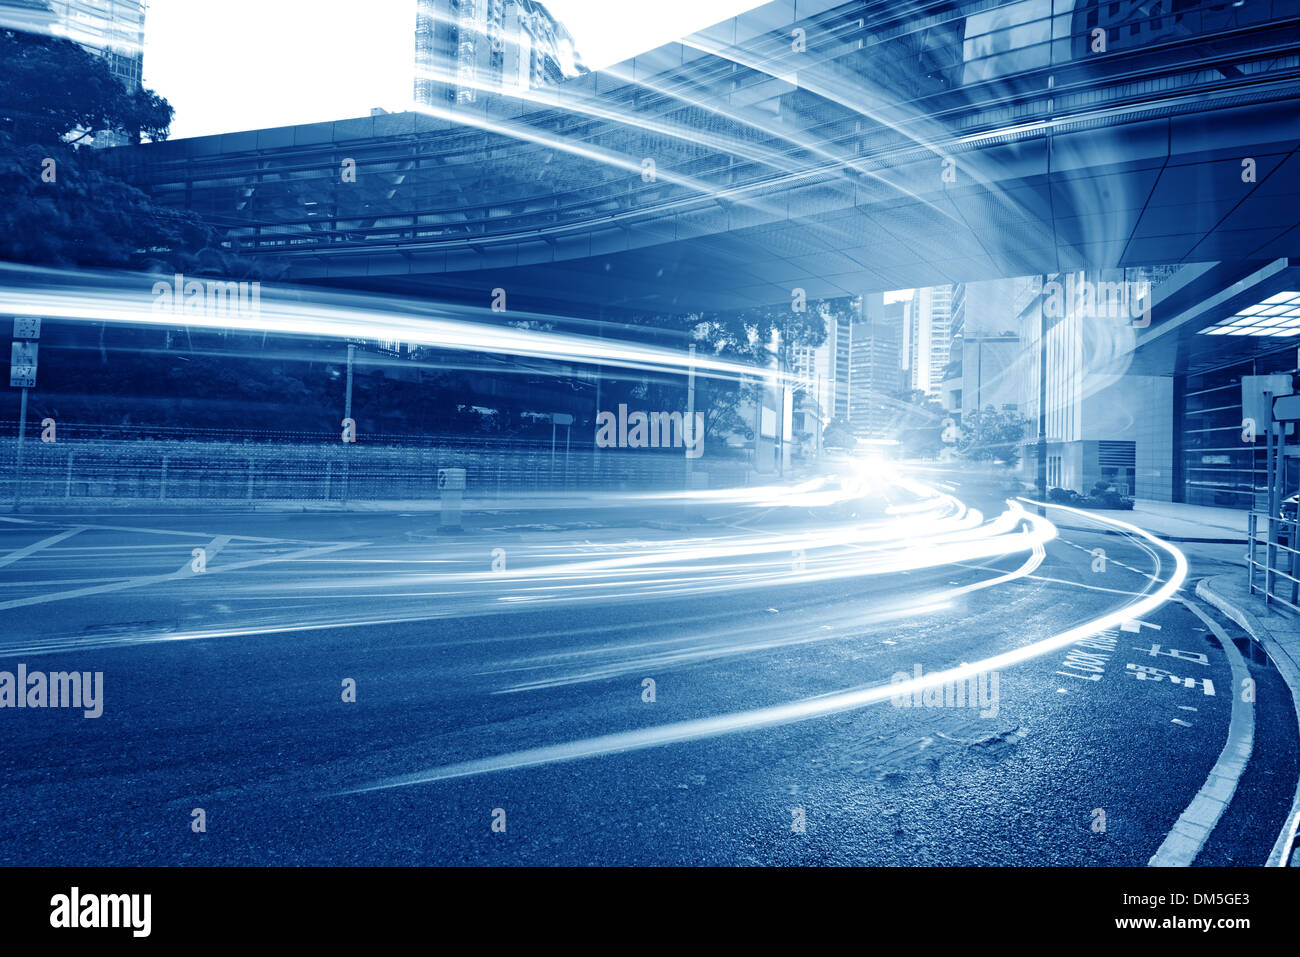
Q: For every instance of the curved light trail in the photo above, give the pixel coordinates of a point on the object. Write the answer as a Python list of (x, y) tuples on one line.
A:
[(820, 706)]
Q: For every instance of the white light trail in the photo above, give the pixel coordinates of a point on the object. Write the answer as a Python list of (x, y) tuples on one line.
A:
[(128, 299), (821, 706)]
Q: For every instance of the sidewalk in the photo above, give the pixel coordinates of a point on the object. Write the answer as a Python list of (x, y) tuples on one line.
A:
[(1174, 521), (1278, 631), (1189, 523)]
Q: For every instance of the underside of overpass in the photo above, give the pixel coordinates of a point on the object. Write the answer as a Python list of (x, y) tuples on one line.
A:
[(1151, 192), (902, 147)]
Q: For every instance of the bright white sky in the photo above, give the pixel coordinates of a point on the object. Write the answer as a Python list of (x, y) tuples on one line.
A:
[(247, 64)]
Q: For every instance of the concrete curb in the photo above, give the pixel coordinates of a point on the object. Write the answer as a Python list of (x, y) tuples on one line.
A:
[(1195, 824), (1216, 591)]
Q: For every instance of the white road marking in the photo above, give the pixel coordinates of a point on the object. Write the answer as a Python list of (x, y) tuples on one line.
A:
[(209, 552), (184, 572), (1101, 588), (1136, 625), (22, 553), (166, 531)]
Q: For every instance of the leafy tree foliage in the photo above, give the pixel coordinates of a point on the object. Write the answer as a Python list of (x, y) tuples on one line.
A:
[(991, 435), (56, 206), (53, 91), (838, 435)]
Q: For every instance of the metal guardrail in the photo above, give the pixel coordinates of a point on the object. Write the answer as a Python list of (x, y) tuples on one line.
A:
[(1275, 576), (174, 471)]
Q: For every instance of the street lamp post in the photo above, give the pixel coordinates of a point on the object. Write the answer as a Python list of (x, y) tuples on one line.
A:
[(1042, 408), (347, 417), (690, 409)]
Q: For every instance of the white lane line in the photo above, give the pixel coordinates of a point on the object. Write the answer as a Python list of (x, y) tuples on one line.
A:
[(167, 531), (22, 553), (1194, 825), (292, 556), (184, 572), (1111, 561), (1072, 584), (210, 551), (94, 590), (58, 646)]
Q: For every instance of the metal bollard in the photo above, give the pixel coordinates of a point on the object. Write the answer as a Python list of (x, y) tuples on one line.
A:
[(451, 492)]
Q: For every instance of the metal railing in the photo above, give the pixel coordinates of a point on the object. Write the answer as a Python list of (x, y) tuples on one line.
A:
[(200, 472), (1274, 540)]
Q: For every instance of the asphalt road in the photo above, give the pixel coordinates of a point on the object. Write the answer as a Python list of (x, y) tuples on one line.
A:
[(502, 715)]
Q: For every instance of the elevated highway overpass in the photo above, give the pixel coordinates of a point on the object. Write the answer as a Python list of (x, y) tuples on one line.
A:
[(839, 148)]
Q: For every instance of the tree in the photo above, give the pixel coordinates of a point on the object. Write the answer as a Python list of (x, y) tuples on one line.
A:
[(991, 435), (57, 207), (748, 334), (920, 424), (719, 401), (52, 91), (838, 435), (84, 217)]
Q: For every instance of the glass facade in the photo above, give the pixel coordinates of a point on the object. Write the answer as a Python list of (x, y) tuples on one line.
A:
[(1223, 463), (112, 28), (466, 50)]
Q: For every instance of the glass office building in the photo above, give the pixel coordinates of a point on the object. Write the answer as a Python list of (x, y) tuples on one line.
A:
[(112, 28)]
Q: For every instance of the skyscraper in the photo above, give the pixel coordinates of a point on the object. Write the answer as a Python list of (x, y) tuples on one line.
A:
[(466, 50), (1102, 420), (840, 335), (929, 337), (114, 29), (983, 346), (875, 367)]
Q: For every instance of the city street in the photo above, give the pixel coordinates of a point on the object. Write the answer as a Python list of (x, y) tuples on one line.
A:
[(756, 435), (518, 696)]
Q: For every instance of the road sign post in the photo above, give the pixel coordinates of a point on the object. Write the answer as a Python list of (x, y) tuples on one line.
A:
[(22, 375), (22, 434), (566, 420)]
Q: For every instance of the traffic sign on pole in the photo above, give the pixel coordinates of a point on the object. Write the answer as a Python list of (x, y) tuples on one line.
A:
[(1286, 408), (27, 327), (22, 365)]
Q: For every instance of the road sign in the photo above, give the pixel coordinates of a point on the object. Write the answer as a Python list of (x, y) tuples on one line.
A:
[(22, 365), (1286, 408), (25, 327)]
